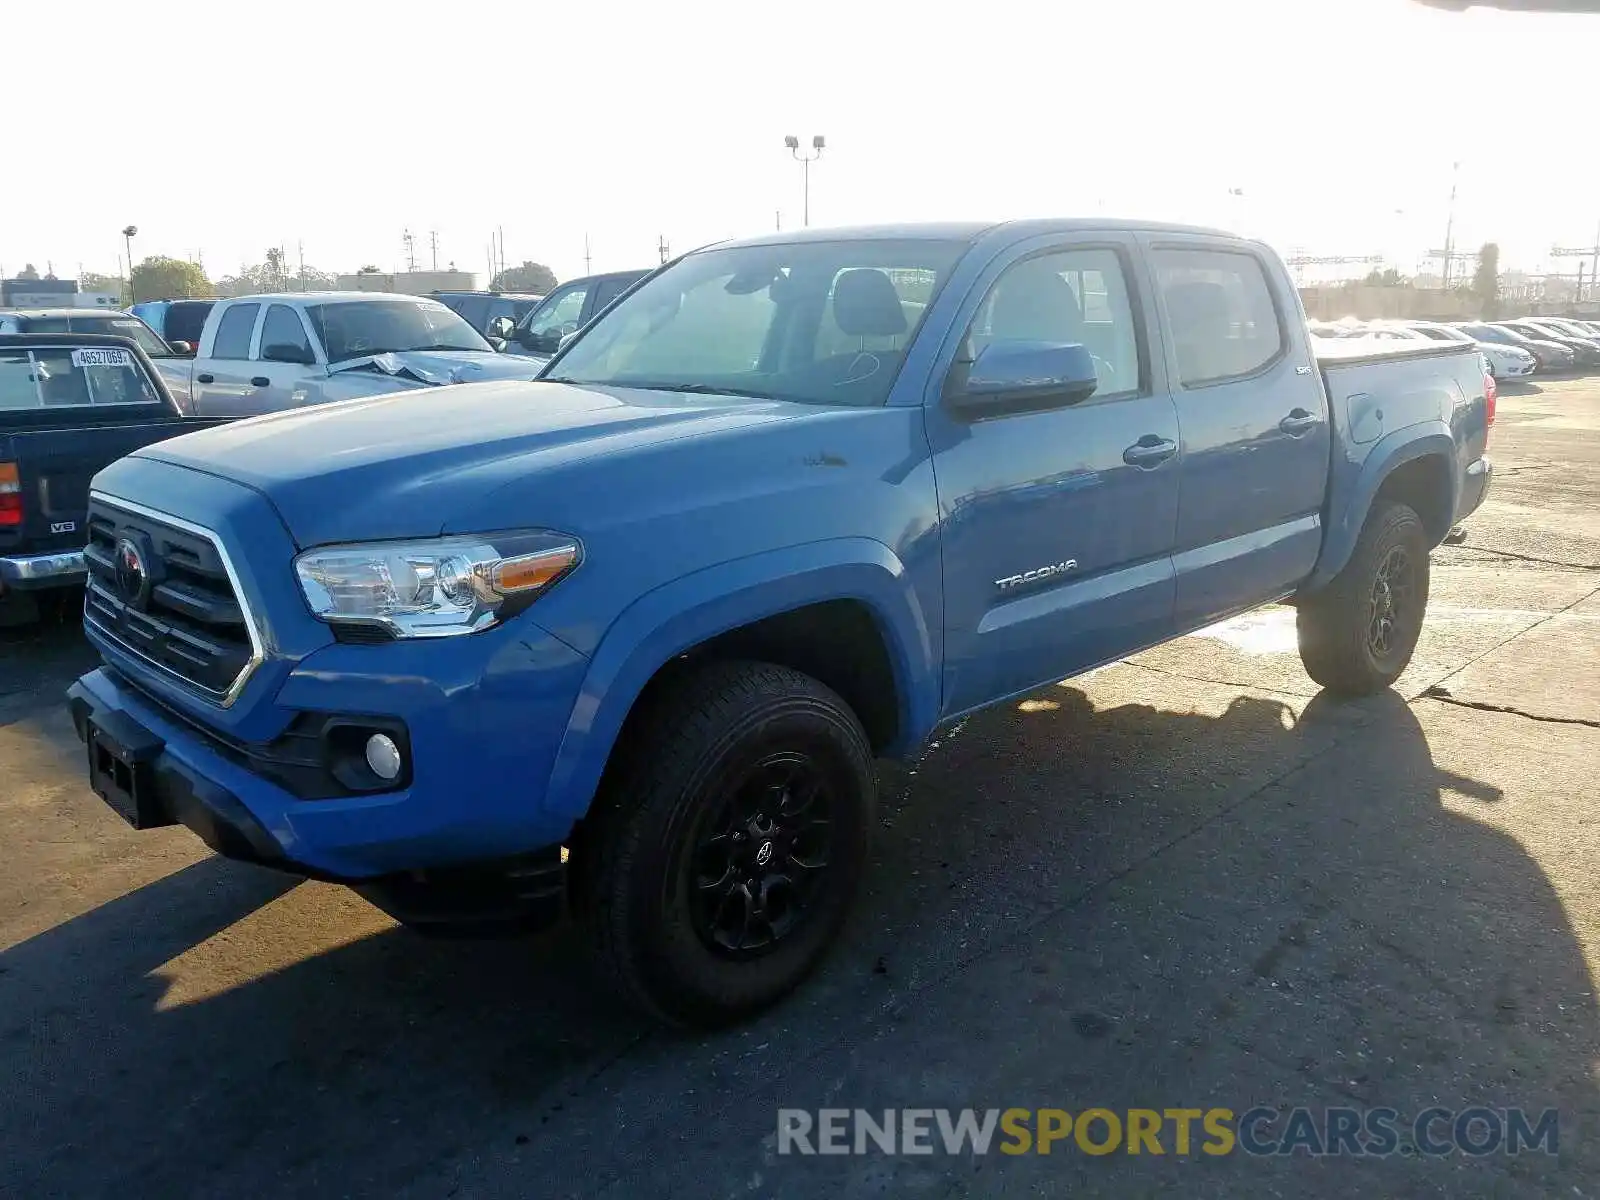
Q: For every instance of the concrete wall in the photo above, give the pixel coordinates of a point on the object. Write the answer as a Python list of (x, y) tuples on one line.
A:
[(1369, 302), (411, 283)]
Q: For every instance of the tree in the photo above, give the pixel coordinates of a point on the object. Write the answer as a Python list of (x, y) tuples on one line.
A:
[(1388, 277), (529, 277), (161, 278), (270, 276), (91, 281), (1486, 281), (29, 271), (370, 269)]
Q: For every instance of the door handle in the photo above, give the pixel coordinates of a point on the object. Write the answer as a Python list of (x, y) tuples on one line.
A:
[(205, 378), (261, 381), (1149, 452), (1298, 422)]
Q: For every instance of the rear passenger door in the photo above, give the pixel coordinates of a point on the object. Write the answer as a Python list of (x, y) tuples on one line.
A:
[(222, 378), (1254, 425), (285, 359)]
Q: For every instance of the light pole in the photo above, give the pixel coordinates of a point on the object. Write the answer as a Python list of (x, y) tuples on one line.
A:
[(1450, 225), (128, 233), (805, 161)]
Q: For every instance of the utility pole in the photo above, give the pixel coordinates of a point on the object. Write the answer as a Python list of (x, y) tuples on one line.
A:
[(500, 232), (1582, 252), (433, 243), (777, 216), (586, 259), (662, 247), (411, 249), (805, 161), (1450, 224)]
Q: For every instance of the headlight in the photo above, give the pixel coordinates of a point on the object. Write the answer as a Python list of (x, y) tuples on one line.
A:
[(434, 588)]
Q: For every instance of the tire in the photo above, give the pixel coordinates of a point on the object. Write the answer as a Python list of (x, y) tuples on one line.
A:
[(1357, 635), (710, 783)]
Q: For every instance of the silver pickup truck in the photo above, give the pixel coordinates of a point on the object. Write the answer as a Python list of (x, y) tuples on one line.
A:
[(261, 354)]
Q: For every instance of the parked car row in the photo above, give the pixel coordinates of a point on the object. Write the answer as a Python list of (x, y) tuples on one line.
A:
[(1512, 348)]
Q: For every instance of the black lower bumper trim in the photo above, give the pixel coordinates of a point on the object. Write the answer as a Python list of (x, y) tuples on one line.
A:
[(514, 894), (177, 794)]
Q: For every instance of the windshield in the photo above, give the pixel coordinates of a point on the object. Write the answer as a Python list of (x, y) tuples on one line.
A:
[(825, 322), (87, 375), (385, 326), (119, 324)]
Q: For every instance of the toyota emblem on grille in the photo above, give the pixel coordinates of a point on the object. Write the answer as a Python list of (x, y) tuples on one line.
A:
[(132, 573)]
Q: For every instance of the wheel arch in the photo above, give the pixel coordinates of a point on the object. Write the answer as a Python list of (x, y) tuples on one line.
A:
[(740, 609), (1414, 466)]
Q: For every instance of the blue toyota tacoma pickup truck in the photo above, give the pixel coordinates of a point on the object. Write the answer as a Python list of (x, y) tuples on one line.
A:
[(629, 638)]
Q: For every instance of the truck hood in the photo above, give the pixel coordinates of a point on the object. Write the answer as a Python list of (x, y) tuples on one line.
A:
[(438, 368), (404, 464)]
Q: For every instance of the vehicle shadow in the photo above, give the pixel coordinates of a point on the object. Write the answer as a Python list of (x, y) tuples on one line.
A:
[(218, 1032), (1518, 387)]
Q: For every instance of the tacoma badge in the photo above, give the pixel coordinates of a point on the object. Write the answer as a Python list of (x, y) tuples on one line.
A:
[(1033, 576)]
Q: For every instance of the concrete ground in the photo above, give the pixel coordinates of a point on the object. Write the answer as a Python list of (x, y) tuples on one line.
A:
[(1185, 881)]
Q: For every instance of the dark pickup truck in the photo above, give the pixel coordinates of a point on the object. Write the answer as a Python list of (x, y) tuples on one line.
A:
[(70, 404)]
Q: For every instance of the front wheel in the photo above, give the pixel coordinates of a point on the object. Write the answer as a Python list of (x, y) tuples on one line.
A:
[(727, 841), (1357, 635)]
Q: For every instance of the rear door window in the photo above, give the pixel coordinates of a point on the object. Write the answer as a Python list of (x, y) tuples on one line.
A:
[(1221, 312), (234, 330)]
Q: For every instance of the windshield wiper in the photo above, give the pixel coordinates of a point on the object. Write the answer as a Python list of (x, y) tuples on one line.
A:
[(473, 349), (696, 389)]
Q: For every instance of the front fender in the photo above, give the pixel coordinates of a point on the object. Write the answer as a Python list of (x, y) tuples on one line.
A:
[(680, 615), (1356, 484)]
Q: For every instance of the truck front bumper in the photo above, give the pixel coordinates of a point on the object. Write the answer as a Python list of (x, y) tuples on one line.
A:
[(29, 572), (154, 772)]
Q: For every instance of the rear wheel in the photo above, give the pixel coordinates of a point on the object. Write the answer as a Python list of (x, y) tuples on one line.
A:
[(1357, 635), (727, 841)]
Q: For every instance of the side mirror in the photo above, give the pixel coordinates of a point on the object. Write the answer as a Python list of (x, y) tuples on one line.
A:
[(499, 343), (1013, 376), (565, 338), (501, 328), (288, 353), (182, 349)]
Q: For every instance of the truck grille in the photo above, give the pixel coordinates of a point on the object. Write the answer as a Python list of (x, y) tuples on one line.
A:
[(179, 613)]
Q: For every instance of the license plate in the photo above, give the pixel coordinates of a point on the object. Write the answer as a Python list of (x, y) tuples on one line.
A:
[(120, 770)]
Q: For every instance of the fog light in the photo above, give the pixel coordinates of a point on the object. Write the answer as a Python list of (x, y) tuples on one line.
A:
[(383, 756)]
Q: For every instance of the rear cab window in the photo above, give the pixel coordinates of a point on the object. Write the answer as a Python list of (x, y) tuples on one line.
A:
[(1220, 311), (70, 377)]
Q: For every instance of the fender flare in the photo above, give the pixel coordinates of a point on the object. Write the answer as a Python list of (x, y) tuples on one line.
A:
[(1348, 513), (690, 610)]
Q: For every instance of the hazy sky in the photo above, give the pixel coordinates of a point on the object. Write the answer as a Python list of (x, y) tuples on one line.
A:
[(337, 123)]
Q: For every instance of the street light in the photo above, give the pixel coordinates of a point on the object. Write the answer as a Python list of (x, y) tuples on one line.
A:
[(128, 233), (805, 161)]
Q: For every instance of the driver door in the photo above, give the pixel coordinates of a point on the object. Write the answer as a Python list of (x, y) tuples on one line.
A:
[(1057, 523), (286, 360)]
